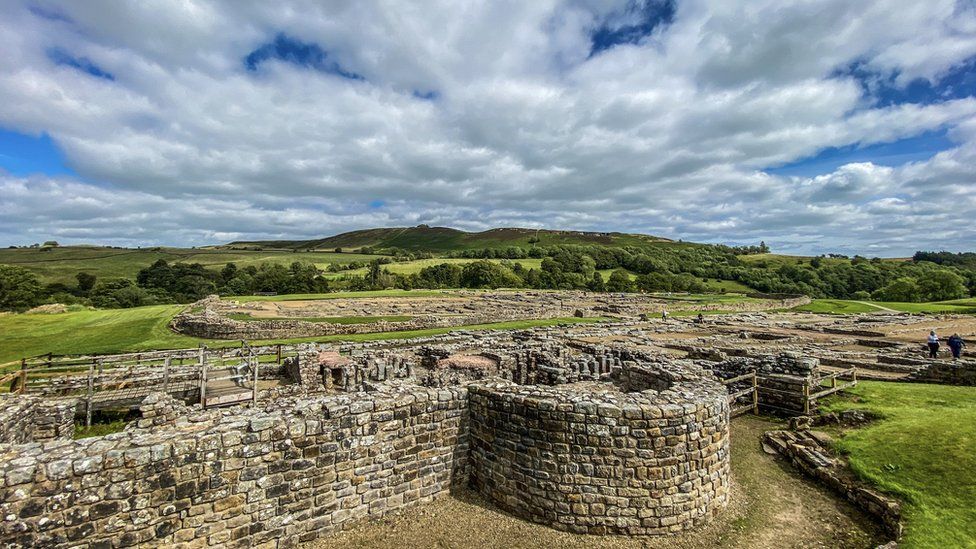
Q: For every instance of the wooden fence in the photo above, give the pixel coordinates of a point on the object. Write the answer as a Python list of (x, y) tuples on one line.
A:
[(212, 377)]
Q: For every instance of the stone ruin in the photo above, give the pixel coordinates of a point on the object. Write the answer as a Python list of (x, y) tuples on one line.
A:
[(610, 429), (583, 438)]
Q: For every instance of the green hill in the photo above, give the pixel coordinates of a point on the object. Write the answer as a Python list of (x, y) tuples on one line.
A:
[(444, 239)]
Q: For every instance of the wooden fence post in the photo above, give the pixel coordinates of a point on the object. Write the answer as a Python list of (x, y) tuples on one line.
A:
[(23, 376), (755, 394), (203, 376), (91, 392)]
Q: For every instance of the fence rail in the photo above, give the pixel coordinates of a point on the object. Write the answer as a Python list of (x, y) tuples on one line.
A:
[(212, 377), (734, 396), (818, 383)]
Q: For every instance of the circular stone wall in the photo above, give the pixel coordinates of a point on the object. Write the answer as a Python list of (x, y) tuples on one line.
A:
[(648, 454)]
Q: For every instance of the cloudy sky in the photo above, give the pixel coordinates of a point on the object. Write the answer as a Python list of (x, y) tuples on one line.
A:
[(816, 126)]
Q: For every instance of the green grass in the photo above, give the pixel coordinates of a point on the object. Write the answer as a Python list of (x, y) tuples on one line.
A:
[(842, 306), (924, 451), (62, 264), (100, 331), (146, 328), (324, 319)]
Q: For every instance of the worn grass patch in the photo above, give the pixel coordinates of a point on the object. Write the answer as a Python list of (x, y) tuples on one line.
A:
[(923, 451)]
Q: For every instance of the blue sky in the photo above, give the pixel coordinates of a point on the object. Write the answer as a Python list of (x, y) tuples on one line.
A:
[(22, 154), (822, 126)]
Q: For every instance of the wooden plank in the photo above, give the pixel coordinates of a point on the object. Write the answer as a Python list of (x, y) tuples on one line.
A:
[(743, 377)]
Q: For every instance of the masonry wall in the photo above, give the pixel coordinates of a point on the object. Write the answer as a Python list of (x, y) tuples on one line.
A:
[(16, 419), (606, 463), (26, 419), (237, 479), (947, 373)]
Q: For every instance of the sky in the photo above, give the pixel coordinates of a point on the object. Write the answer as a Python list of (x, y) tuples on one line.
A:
[(814, 125)]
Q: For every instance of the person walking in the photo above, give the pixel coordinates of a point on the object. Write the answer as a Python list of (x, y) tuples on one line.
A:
[(664, 315), (956, 345), (933, 345)]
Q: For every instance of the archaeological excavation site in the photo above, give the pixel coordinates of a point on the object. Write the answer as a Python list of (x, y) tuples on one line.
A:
[(618, 427)]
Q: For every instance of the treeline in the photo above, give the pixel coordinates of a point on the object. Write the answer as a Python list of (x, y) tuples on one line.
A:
[(929, 276)]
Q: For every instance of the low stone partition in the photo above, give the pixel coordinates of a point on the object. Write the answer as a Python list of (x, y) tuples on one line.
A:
[(950, 372), (17, 419), (26, 419), (237, 478), (646, 455)]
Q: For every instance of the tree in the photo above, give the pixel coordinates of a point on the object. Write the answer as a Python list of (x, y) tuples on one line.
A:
[(86, 281), (596, 284), (942, 285), (904, 289), (487, 274), (19, 288), (619, 281)]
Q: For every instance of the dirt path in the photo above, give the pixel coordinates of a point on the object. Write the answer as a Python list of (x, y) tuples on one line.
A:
[(876, 306), (772, 508)]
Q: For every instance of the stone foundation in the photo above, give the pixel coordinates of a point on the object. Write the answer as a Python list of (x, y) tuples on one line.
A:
[(650, 457), (258, 478)]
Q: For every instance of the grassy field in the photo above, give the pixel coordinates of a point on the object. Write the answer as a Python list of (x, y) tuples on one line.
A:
[(924, 451), (842, 306), (101, 331), (144, 328), (62, 264)]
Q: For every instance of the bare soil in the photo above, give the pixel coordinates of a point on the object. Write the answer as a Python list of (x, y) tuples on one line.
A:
[(772, 507)]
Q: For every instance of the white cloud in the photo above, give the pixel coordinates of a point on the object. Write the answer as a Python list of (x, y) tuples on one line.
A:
[(667, 136)]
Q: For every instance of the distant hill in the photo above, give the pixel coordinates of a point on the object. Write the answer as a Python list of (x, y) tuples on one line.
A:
[(444, 239)]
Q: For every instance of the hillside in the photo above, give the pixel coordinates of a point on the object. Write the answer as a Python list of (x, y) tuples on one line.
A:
[(444, 239)]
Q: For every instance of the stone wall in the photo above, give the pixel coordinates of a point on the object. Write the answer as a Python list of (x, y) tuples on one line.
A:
[(27, 419), (947, 373), (589, 458), (16, 418), (54, 419), (254, 478)]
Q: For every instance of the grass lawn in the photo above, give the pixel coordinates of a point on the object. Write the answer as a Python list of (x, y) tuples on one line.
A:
[(145, 328), (843, 306), (924, 451), (101, 331)]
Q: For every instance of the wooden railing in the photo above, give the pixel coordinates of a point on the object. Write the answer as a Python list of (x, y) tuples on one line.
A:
[(753, 389), (212, 377), (814, 389)]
